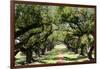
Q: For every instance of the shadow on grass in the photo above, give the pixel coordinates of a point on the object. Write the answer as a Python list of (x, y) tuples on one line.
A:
[(21, 62), (17, 59), (73, 59)]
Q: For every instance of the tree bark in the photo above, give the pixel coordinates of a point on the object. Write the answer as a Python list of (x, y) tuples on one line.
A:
[(82, 50), (25, 29), (90, 54), (28, 55)]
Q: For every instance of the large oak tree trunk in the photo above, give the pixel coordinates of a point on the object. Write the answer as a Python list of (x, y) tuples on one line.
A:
[(90, 54), (28, 55), (43, 51), (82, 50)]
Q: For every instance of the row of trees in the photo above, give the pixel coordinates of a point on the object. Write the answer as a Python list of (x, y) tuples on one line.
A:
[(33, 25), (38, 28), (81, 21)]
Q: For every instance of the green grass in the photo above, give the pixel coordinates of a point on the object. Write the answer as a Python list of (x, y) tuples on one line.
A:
[(20, 59), (53, 56)]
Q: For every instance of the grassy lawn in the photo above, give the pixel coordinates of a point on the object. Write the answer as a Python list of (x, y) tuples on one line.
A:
[(60, 51), (20, 58)]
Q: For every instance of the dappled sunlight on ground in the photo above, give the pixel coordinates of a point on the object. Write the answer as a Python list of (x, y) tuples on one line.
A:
[(59, 54)]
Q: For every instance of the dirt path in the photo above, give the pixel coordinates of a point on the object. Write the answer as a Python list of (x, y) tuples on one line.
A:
[(60, 54)]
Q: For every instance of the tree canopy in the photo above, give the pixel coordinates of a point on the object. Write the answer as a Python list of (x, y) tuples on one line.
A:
[(38, 28)]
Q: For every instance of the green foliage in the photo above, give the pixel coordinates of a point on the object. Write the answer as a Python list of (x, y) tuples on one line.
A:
[(36, 24)]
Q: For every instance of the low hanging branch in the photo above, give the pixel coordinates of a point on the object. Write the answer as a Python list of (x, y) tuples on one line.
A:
[(19, 46), (25, 29)]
